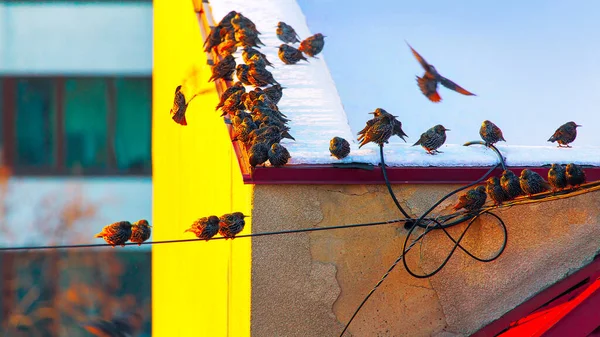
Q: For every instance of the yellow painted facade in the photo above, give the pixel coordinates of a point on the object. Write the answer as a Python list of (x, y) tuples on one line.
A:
[(198, 288)]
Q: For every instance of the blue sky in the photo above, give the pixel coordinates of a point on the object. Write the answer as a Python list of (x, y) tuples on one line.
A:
[(533, 64)]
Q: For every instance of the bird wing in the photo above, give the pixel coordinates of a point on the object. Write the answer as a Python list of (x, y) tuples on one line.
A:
[(419, 58), (453, 86), (428, 88)]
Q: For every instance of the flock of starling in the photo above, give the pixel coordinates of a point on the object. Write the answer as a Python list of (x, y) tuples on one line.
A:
[(228, 225), (118, 233), (255, 117), (509, 186)]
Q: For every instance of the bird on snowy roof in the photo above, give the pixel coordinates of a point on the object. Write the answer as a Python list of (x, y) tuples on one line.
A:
[(429, 82), (565, 134)]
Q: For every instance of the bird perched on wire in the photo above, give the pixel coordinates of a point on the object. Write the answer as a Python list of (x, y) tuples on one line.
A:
[(248, 52), (495, 191), (205, 228), (429, 82), (223, 69), (237, 86), (258, 154), (533, 183), (510, 184), (231, 224), (121, 326), (397, 125), (260, 77), (116, 233), (241, 72), (575, 175), (490, 133), (432, 139), (278, 155), (565, 134), (275, 92), (213, 39), (379, 131), (140, 231), (313, 45), (339, 147), (286, 33), (557, 177), (290, 55), (472, 200)]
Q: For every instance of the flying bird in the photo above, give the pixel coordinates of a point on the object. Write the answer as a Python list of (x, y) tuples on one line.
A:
[(472, 200), (339, 147), (205, 228), (286, 33), (532, 183), (557, 177), (490, 133), (290, 55), (429, 82), (565, 134), (140, 231), (313, 45), (432, 139), (116, 233)]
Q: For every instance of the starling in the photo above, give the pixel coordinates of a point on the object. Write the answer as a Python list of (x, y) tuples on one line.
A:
[(565, 134), (429, 82), (473, 200), (239, 117), (278, 155), (490, 133), (510, 184), (339, 147), (231, 224), (432, 139), (237, 86), (213, 39), (286, 33), (557, 177), (205, 228), (226, 47), (116, 233), (239, 21), (379, 132), (244, 129), (495, 191), (123, 326), (290, 55), (575, 175), (258, 154), (396, 123), (241, 72), (248, 52), (226, 20), (247, 38), (223, 69), (532, 183), (140, 231), (227, 33), (258, 61), (260, 77), (233, 103), (313, 45), (275, 92), (179, 107)]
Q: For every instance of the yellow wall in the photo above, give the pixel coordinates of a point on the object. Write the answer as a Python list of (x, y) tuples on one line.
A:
[(198, 288)]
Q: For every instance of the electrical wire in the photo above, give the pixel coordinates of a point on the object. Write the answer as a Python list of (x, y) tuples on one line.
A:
[(389, 186)]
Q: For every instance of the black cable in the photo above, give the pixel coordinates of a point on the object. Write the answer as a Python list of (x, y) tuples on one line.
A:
[(291, 231), (389, 186)]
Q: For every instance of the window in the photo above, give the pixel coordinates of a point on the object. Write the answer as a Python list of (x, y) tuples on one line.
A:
[(77, 125)]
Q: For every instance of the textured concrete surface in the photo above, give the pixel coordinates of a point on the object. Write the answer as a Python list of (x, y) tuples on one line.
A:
[(309, 284)]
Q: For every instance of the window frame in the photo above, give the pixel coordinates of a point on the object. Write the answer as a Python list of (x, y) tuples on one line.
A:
[(59, 168)]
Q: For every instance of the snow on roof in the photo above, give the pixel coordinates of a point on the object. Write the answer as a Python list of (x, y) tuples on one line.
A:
[(312, 103)]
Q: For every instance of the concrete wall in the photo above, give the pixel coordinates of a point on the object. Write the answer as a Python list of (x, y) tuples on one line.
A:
[(310, 284), (85, 38)]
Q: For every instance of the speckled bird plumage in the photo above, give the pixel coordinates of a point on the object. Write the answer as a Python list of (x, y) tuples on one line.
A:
[(258, 61), (223, 69), (432, 139), (278, 155), (495, 190), (241, 72), (565, 134), (205, 228), (490, 133), (575, 175), (290, 55), (339, 147), (313, 45), (213, 39), (472, 200), (237, 86), (231, 224), (275, 92), (247, 37), (379, 131), (510, 184), (286, 33), (260, 77), (226, 20), (248, 52), (532, 183), (226, 47), (179, 107), (233, 103), (557, 177), (116, 233), (244, 130), (258, 154), (140, 231), (430, 80), (397, 125), (239, 21), (122, 326)]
